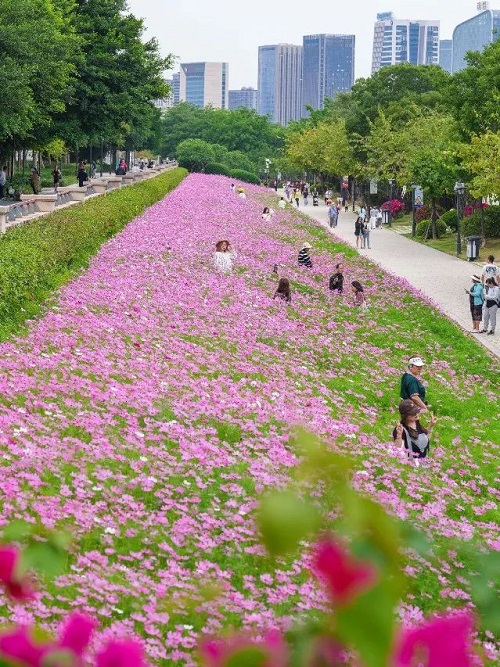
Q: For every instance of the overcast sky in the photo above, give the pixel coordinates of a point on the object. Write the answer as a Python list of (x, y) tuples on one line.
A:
[(231, 31)]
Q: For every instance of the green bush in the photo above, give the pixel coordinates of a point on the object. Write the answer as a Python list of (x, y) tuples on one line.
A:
[(424, 228), (39, 256), (472, 225), (450, 219), (242, 175), (217, 168)]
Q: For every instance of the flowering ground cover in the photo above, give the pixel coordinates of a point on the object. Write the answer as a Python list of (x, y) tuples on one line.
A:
[(154, 402)]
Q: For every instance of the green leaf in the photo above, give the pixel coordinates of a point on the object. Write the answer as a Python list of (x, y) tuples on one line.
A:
[(17, 530), (284, 520), (44, 558), (252, 656)]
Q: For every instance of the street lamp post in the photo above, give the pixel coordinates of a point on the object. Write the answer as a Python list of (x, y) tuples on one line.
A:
[(459, 191), (391, 185)]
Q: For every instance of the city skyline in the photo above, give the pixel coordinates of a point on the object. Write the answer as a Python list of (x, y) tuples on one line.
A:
[(199, 31)]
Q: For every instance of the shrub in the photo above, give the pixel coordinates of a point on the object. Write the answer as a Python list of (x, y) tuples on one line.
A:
[(489, 217), (450, 219), (422, 213), (242, 175), (395, 206), (424, 228), (37, 257), (217, 168)]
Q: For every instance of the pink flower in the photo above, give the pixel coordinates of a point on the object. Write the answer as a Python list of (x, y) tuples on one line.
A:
[(345, 577), (20, 645), (76, 634), (17, 587), (121, 654), (440, 642), (217, 653)]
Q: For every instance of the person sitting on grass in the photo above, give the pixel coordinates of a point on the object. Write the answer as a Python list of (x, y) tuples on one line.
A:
[(359, 294), (336, 283), (410, 433), (283, 291), (304, 256)]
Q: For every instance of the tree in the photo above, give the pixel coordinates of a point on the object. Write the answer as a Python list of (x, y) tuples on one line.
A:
[(119, 77), (195, 154), (481, 158), (39, 50)]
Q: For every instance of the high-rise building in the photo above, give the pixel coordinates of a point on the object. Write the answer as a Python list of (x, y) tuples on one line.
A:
[(204, 84), (176, 87), (445, 54), (280, 82), (404, 41), (165, 102), (474, 34), (246, 97), (328, 68)]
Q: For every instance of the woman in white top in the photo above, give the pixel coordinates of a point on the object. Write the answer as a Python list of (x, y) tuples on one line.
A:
[(224, 256), (373, 217)]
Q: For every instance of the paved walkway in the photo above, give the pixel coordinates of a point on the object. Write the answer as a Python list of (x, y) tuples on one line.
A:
[(440, 276)]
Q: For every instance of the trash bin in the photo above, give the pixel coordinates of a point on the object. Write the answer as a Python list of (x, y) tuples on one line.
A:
[(473, 243)]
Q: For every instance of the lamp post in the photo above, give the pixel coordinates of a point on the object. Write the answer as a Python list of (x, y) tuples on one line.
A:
[(391, 185), (459, 191)]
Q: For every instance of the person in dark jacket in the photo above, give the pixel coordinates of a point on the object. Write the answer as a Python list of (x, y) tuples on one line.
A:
[(336, 282)]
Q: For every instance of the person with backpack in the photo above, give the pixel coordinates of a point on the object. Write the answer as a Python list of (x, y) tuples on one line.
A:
[(476, 302), (410, 433), (336, 282)]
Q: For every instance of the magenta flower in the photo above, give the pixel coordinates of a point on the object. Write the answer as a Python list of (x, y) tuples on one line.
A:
[(20, 646), (121, 654), (17, 586), (217, 653), (345, 576), (440, 642)]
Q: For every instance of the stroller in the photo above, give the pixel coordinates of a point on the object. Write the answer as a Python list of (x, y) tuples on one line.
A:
[(315, 199)]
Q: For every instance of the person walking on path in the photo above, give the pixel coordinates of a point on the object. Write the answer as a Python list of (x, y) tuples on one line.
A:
[(56, 177), (490, 270), (304, 256), (373, 217), (82, 174), (358, 230), (333, 214), (296, 196), (35, 180), (411, 386), (476, 302), (410, 433), (491, 302), (365, 235)]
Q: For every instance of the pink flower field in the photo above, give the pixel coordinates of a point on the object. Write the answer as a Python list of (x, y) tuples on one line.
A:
[(153, 403)]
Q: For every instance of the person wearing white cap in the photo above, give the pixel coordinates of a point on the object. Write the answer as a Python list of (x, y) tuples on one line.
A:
[(304, 256), (411, 386)]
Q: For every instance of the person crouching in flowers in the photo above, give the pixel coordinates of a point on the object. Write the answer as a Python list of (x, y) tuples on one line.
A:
[(304, 256), (224, 256), (410, 433), (283, 291), (359, 294)]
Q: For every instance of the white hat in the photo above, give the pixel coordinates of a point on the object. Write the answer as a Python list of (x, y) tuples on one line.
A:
[(306, 245), (415, 361)]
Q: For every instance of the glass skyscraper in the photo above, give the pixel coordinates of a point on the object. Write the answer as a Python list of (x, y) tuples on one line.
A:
[(445, 54), (246, 97), (473, 35), (328, 68), (204, 84), (404, 41), (280, 82)]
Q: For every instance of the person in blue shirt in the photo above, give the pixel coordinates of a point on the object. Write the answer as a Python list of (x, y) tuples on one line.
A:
[(476, 301)]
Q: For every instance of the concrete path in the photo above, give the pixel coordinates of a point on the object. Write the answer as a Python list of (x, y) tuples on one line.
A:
[(440, 276)]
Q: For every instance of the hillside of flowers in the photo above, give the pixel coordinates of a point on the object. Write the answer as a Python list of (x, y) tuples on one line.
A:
[(153, 404)]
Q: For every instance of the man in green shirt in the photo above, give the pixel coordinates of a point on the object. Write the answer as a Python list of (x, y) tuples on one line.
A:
[(411, 387)]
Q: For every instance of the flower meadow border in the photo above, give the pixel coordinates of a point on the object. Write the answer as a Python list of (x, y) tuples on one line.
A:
[(154, 402)]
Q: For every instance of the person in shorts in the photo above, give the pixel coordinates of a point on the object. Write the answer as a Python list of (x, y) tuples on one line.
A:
[(476, 302)]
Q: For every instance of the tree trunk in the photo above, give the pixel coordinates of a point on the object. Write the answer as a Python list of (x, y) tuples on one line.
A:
[(434, 219)]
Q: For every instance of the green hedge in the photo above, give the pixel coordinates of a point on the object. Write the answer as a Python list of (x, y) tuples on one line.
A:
[(242, 175), (217, 168), (38, 257), (450, 219), (472, 225), (424, 228)]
